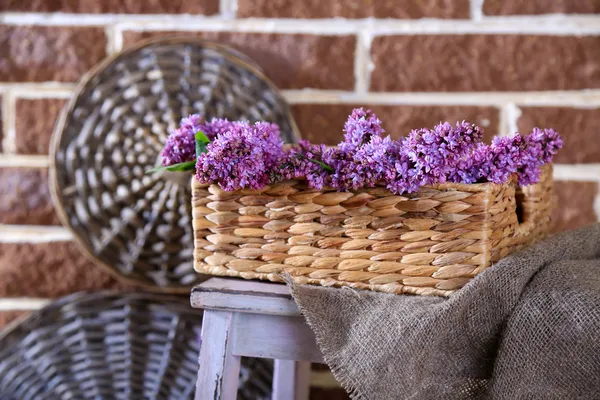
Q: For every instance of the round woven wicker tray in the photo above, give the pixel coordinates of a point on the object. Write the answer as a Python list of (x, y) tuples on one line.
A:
[(138, 226), (112, 346)]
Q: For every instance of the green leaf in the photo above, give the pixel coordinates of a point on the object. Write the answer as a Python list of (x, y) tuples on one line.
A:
[(201, 142), (184, 166), (202, 137), (322, 164)]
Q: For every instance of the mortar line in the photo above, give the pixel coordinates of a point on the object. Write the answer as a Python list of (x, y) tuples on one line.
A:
[(9, 140), (30, 161), (362, 60), (577, 172), (111, 39), (545, 25), (34, 234), (587, 99), (33, 87), (22, 303), (227, 9), (476, 10), (513, 112)]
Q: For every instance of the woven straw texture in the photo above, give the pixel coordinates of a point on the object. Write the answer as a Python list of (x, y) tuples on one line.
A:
[(137, 225), (112, 346), (431, 242)]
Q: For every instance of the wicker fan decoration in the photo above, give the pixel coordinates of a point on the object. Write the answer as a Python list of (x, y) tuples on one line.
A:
[(137, 225), (112, 346)]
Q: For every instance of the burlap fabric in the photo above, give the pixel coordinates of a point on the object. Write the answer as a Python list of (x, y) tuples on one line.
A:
[(527, 328)]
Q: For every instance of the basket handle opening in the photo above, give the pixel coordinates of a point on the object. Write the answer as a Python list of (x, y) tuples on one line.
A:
[(520, 198), (525, 214)]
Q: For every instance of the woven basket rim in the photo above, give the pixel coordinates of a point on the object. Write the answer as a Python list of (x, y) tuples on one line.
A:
[(232, 54), (85, 296), (464, 187)]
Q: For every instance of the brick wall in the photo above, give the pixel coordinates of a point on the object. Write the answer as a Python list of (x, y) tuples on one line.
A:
[(504, 64)]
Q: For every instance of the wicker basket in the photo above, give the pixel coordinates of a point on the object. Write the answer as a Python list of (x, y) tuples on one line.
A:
[(431, 242), (112, 346), (137, 226)]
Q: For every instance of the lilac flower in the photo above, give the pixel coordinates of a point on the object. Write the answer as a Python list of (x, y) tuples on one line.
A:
[(428, 152), (216, 126), (303, 161), (403, 178), (192, 124), (346, 174), (440, 154), (473, 166), (360, 127), (180, 147), (375, 161), (549, 140), (241, 157), (509, 155)]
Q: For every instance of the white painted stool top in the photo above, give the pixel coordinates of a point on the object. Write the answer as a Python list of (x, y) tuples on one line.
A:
[(243, 296), (252, 319)]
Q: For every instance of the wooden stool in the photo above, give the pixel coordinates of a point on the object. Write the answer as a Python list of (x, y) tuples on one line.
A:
[(253, 319)]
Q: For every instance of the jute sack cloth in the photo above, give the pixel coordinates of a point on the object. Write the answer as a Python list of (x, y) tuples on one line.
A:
[(526, 328)]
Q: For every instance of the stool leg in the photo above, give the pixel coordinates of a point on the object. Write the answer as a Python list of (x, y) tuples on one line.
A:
[(291, 380), (219, 370)]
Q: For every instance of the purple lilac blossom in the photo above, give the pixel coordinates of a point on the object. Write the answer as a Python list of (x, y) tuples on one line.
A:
[(346, 174), (180, 147), (192, 124), (216, 126), (439, 154), (403, 179), (474, 166), (427, 151), (241, 157), (375, 161), (549, 140), (506, 156), (362, 158), (301, 161), (360, 127), (181, 144), (515, 154)]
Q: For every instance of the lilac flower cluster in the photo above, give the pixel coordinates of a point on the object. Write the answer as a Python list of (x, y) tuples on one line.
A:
[(445, 153), (304, 161), (439, 154), (181, 145), (242, 155)]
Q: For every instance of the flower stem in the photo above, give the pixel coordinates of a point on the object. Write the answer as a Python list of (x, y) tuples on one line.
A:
[(322, 164)]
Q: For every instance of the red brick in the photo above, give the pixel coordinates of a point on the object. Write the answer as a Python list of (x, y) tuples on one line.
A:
[(291, 61), (48, 270), (353, 9), (465, 63), (579, 127), (533, 7), (207, 7), (323, 123), (6, 317), (573, 205), (25, 197), (34, 124), (38, 53)]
